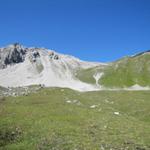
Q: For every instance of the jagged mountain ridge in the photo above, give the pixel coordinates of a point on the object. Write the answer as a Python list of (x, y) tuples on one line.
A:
[(12, 54), (21, 66)]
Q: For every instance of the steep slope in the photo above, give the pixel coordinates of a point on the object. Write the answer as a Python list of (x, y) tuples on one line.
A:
[(22, 66), (88, 75), (128, 71), (133, 71)]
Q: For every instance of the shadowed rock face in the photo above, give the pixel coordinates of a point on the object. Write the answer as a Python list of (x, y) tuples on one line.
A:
[(12, 54), (21, 66), (16, 53)]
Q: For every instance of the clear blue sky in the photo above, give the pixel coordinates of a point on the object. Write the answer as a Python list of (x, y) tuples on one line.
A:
[(93, 30)]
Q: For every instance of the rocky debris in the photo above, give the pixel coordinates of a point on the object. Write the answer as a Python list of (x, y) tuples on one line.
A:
[(20, 66), (77, 102), (97, 76), (41, 85), (12, 54), (107, 101), (123, 146), (51, 54), (54, 56), (34, 55), (68, 101), (16, 53), (18, 91), (116, 113), (94, 106)]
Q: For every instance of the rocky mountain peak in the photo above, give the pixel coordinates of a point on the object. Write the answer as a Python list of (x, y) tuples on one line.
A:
[(14, 53), (15, 45), (22, 66)]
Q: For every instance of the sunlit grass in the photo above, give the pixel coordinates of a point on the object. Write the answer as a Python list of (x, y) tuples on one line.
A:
[(62, 119)]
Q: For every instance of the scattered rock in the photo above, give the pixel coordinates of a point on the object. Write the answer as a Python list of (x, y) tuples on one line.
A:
[(107, 101), (105, 127), (14, 94), (41, 85), (100, 109), (77, 102), (93, 106), (116, 113), (35, 54), (52, 55), (74, 101), (62, 90), (56, 57), (18, 91)]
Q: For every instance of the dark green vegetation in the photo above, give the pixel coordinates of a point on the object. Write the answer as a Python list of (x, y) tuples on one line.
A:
[(62, 119), (125, 72)]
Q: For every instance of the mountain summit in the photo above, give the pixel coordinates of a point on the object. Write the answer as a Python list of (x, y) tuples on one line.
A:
[(21, 66)]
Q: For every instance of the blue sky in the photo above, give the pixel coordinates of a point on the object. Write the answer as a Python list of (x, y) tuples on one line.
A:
[(93, 30)]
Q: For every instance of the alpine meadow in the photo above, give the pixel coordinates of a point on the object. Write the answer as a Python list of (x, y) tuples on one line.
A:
[(54, 101), (74, 75)]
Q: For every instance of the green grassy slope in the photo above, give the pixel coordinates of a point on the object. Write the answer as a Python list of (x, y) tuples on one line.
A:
[(86, 75), (62, 119), (128, 71), (123, 73)]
